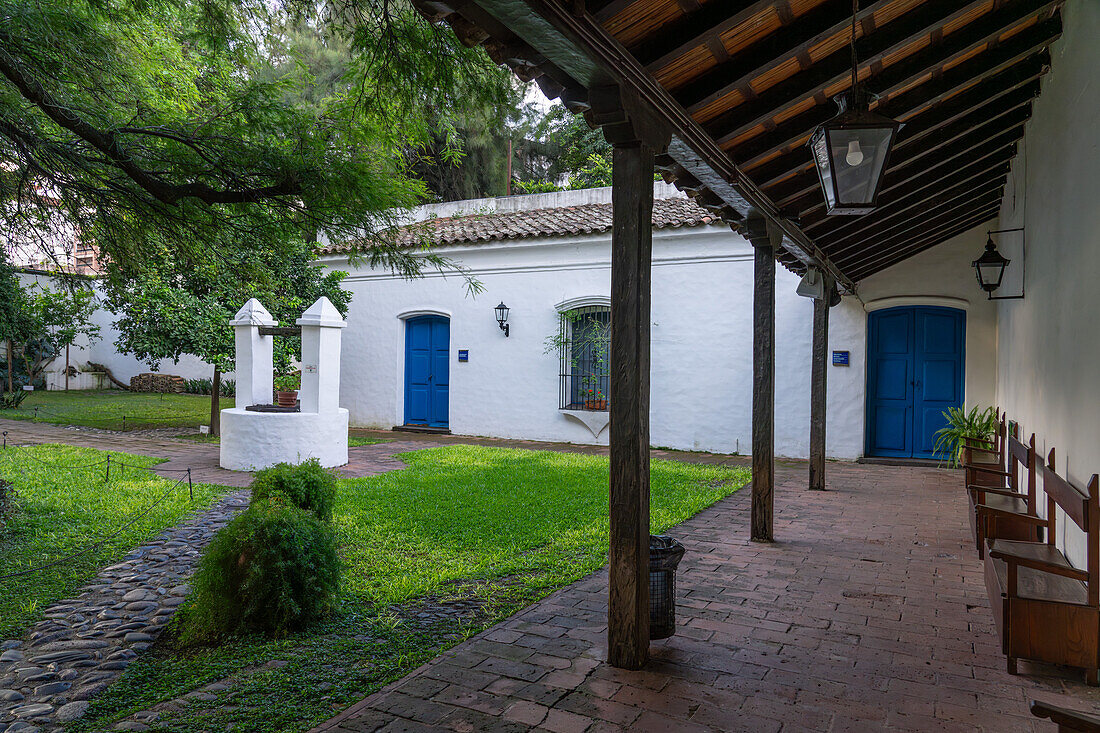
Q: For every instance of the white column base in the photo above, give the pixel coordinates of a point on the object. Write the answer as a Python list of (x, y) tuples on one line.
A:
[(254, 440)]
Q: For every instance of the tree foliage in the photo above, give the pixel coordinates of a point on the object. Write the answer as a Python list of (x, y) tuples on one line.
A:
[(189, 123)]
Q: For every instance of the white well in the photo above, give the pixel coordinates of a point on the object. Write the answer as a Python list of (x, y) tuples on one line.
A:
[(252, 439)]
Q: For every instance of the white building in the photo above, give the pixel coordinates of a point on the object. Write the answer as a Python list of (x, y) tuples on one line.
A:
[(426, 353)]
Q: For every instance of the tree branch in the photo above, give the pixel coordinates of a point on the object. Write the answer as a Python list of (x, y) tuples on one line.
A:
[(107, 143)]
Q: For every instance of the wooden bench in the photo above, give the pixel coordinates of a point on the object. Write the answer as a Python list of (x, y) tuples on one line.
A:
[(1067, 720), (1006, 511), (1044, 608), (986, 453)]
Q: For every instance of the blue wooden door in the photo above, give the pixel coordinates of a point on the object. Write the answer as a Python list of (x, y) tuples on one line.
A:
[(915, 366), (427, 371)]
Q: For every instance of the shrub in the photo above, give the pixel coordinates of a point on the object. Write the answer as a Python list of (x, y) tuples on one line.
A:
[(272, 570), (976, 424), (307, 485), (206, 386)]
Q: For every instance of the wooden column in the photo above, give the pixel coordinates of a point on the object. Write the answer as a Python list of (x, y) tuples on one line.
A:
[(631, 255), (763, 381), (819, 390)]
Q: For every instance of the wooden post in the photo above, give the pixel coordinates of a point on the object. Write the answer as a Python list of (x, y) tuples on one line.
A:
[(631, 255), (819, 390), (66, 367), (215, 402), (763, 380)]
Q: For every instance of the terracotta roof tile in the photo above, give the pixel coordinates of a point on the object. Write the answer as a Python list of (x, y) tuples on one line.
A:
[(554, 222)]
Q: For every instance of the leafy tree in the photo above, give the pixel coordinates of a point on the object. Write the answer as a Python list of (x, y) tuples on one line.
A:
[(13, 325), (173, 123), (176, 308), (49, 321)]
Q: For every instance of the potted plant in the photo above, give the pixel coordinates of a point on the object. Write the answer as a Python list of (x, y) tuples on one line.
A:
[(286, 389), (962, 425), (594, 399)]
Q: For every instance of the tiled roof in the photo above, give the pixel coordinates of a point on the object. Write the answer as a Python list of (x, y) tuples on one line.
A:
[(552, 222)]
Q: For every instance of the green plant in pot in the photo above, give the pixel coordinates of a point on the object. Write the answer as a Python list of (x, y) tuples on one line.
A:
[(976, 425), (286, 389)]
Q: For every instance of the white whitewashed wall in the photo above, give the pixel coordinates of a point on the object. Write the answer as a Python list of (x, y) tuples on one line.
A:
[(701, 339), (1049, 343)]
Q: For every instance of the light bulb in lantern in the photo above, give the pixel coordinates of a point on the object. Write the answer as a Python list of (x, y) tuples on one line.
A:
[(855, 155)]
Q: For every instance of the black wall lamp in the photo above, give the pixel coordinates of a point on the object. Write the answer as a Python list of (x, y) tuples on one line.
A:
[(990, 267), (502, 317)]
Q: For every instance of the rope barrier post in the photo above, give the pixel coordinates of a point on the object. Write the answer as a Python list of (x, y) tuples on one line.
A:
[(124, 423), (190, 488), (5, 438), (36, 413), (108, 478)]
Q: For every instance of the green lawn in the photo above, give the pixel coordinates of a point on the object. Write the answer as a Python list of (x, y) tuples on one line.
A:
[(107, 409), (62, 510), (504, 526)]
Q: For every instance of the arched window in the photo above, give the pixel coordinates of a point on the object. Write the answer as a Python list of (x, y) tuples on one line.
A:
[(584, 349)]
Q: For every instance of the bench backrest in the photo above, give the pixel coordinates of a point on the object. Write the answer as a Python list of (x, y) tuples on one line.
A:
[(1083, 508), (1022, 455)]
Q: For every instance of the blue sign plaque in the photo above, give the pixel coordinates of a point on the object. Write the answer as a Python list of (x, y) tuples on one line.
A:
[(840, 358), (463, 354)]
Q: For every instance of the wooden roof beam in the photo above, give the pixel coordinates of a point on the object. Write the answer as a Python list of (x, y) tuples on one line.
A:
[(579, 45), (935, 237), (933, 226), (915, 203), (801, 162), (971, 146), (696, 29), (902, 224), (1021, 58), (827, 19), (871, 49)]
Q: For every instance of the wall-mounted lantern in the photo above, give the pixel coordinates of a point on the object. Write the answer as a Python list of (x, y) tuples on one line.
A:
[(990, 267), (850, 150), (502, 317)]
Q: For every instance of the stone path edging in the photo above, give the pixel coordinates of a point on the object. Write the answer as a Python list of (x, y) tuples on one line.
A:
[(49, 676)]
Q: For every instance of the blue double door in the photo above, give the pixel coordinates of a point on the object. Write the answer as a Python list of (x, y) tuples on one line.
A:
[(427, 371), (915, 368)]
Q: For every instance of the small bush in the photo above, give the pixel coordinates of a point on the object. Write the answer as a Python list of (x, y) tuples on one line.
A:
[(206, 386), (307, 485), (272, 570)]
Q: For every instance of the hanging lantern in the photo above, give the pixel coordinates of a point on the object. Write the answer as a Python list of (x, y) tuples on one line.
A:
[(990, 267), (850, 150)]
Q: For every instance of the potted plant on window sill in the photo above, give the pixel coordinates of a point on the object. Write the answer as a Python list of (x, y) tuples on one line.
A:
[(286, 389), (594, 399)]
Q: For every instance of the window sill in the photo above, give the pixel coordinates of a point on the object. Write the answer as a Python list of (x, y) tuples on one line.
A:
[(595, 420)]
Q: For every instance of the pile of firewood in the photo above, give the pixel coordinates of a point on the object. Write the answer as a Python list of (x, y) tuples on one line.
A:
[(153, 382)]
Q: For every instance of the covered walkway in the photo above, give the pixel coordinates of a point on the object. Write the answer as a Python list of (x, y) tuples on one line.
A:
[(869, 613)]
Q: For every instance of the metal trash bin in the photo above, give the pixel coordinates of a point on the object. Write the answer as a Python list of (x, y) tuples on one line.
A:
[(665, 554)]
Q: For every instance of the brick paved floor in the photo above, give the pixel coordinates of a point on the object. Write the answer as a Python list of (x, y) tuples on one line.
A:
[(869, 613)]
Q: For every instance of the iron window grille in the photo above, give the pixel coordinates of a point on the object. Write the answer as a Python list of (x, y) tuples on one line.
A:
[(584, 349)]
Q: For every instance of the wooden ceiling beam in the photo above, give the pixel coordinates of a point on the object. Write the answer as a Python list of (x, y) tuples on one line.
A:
[(917, 192), (934, 238), (579, 41), (882, 250), (827, 19), (1019, 59), (694, 30), (933, 118), (835, 68), (807, 198), (914, 203), (802, 163), (900, 223)]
